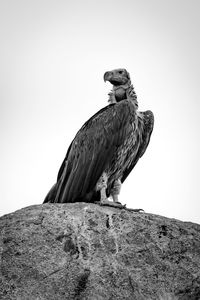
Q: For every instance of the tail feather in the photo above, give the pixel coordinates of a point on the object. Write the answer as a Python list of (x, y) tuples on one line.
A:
[(50, 197)]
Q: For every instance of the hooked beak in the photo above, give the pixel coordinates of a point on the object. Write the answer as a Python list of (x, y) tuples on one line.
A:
[(107, 76)]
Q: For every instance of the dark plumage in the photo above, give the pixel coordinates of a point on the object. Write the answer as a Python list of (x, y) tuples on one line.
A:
[(106, 148)]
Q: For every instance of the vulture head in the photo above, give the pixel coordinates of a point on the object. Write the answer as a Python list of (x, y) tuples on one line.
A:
[(117, 77)]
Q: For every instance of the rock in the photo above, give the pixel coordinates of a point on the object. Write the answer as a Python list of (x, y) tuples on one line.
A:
[(84, 251)]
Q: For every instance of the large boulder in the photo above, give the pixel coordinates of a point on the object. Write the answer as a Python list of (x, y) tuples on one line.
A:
[(84, 251)]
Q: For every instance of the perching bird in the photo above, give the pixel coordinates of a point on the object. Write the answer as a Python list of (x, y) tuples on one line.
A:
[(105, 149)]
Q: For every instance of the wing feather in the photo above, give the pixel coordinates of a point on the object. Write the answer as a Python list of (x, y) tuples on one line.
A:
[(92, 149)]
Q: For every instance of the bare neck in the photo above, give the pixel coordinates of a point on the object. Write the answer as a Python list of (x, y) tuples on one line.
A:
[(122, 92)]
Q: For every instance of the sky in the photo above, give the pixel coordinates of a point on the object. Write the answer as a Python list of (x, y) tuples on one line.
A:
[(53, 56)]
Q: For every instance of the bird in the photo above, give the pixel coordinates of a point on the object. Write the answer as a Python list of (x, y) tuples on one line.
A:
[(105, 149)]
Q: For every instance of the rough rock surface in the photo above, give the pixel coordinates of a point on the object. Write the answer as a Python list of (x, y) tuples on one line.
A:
[(84, 251)]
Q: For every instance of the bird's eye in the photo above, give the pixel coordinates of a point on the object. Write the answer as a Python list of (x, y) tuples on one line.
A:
[(120, 72)]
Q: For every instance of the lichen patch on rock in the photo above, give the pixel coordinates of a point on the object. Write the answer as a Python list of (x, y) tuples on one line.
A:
[(84, 251)]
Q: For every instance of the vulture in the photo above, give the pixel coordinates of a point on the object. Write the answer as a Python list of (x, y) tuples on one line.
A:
[(106, 148)]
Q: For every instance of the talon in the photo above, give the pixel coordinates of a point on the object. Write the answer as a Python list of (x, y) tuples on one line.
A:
[(135, 209), (111, 204), (105, 201)]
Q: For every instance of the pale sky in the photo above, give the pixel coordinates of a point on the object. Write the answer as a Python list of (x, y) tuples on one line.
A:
[(53, 55)]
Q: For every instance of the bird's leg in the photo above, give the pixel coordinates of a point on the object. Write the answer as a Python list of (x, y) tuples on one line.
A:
[(102, 186), (116, 190), (103, 198)]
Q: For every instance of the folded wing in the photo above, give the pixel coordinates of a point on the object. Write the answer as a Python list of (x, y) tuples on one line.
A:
[(91, 151)]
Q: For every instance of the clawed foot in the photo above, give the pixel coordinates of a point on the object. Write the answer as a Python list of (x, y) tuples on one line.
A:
[(106, 202), (135, 209)]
